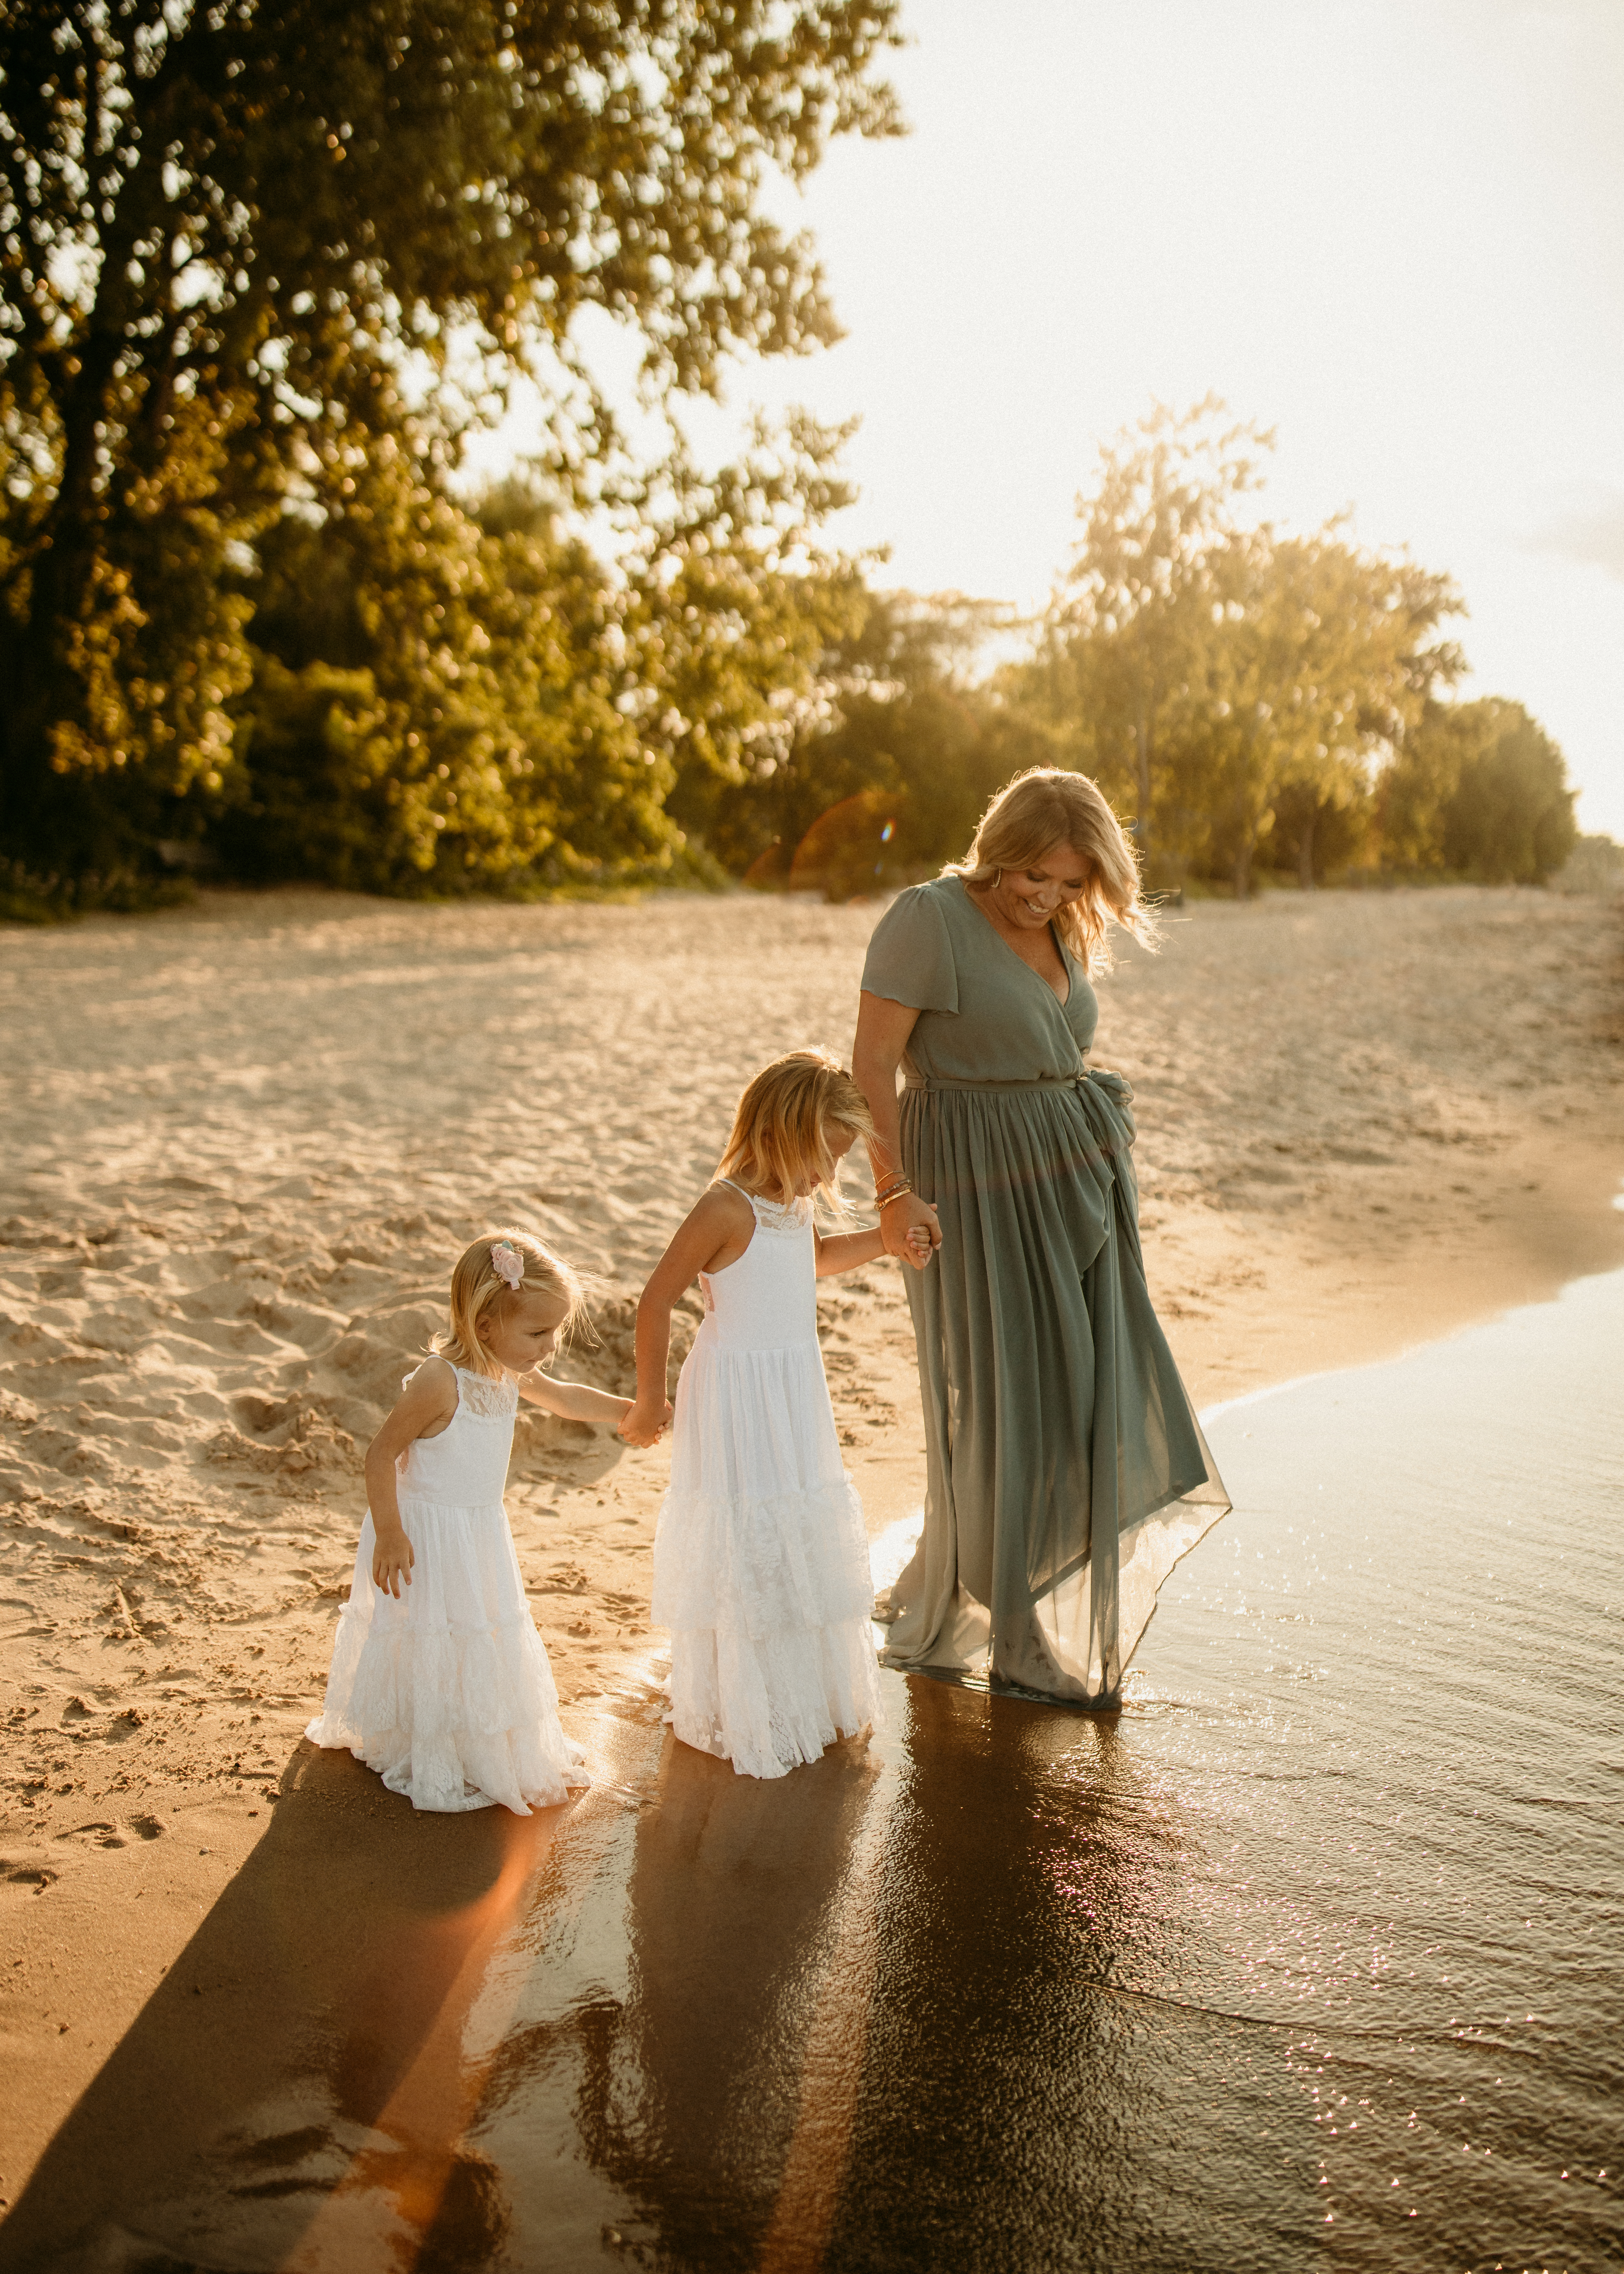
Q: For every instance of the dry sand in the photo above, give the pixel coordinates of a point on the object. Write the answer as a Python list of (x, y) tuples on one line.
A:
[(244, 1141)]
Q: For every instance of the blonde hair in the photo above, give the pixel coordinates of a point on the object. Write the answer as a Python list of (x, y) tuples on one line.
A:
[(477, 1287), (1046, 807), (778, 1134)]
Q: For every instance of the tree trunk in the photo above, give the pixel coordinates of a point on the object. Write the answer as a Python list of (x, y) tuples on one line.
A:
[(1305, 853), (1242, 871)]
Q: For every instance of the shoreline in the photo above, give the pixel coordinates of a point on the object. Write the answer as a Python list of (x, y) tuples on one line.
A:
[(203, 1304)]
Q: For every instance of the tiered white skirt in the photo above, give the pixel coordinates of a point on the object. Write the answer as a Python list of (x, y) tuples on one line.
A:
[(447, 1692), (761, 1565)]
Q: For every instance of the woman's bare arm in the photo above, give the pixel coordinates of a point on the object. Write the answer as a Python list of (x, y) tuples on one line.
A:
[(882, 1031)]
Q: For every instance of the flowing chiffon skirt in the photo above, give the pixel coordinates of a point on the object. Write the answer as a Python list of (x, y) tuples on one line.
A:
[(1066, 1471)]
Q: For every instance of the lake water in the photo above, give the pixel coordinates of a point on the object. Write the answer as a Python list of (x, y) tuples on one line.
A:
[(1309, 1956)]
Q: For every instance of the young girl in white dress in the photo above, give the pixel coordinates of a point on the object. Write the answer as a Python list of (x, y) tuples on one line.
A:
[(761, 1561), (440, 1680)]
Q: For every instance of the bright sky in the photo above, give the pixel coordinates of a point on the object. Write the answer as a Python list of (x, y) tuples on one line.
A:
[(1392, 229)]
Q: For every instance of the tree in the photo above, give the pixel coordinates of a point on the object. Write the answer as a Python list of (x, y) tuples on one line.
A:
[(242, 245), (1480, 790), (1130, 623), (1510, 819), (1361, 659), (435, 702), (894, 752)]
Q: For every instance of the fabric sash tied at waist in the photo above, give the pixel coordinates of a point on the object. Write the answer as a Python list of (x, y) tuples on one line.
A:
[(1116, 1087)]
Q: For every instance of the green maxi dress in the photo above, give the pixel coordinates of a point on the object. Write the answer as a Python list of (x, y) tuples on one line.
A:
[(1066, 1473)]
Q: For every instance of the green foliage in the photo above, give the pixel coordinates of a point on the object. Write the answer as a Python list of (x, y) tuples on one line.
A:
[(1478, 790), (896, 751), (433, 706), (1130, 629), (1510, 820), (1251, 699), (242, 248)]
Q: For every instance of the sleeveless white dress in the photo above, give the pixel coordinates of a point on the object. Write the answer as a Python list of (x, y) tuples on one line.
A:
[(447, 1692), (761, 1561)]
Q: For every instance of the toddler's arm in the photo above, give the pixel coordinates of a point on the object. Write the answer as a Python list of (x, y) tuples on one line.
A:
[(844, 1250), (715, 1232), (576, 1400), (422, 1409)]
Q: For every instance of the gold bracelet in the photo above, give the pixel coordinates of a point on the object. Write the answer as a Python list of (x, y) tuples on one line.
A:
[(901, 1193)]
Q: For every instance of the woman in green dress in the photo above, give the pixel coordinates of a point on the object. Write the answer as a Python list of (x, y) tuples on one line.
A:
[(1066, 1471)]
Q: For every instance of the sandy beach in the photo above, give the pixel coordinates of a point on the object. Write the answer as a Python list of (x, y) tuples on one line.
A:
[(246, 1140)]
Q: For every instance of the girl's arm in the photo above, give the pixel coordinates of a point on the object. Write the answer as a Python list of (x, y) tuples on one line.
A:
[(422, 1409), (715, 1234), (882, 1031), (843, 1251), (576, 1400)]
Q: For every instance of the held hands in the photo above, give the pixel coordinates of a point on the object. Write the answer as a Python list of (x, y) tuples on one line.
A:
[(643, 1425), (391, 1561), (909, 1230)]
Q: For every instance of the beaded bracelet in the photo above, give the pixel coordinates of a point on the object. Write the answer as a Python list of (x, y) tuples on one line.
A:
[(899, 1192)]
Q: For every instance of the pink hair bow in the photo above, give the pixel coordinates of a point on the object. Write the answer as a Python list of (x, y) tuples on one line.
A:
[(507, 1263)]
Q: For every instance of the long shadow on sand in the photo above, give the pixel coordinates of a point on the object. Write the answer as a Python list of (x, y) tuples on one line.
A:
[(300, 2065)]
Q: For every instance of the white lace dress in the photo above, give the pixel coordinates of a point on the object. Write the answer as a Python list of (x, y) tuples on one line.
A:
[(447, 1692), (761, 1561)]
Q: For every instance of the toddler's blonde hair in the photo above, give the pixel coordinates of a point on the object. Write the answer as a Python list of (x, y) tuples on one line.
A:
[(1046, 807), (779, 1133), (477, 1287)]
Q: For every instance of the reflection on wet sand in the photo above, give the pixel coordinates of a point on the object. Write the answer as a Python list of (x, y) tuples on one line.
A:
[(703, 2074), (1032, 2078)]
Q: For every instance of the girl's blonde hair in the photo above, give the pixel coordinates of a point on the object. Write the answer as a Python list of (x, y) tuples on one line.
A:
[(477, 1286), (779, 1131), (1046, 807)]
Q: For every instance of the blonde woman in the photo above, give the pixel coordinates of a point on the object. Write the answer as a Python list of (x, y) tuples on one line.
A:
[(1066, 1473)]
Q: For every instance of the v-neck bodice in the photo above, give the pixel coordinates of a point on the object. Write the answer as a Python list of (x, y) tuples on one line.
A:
[(1058, 944), (986, 1016)]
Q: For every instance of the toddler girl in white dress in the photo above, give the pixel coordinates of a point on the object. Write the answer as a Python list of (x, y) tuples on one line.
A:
[(440, 1680), (761, 1561)]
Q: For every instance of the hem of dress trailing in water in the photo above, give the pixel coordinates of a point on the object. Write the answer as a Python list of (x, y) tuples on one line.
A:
[(989, 1685)]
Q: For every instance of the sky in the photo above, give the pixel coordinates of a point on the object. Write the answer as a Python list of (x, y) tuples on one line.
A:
[(1394, 231)]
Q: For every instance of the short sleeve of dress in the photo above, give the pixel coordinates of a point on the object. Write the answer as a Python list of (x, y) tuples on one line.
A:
[(911, 957)]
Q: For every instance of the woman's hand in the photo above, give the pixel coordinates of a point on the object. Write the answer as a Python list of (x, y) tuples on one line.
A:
[(392, 1559), (909, 1228), (643, 1425)]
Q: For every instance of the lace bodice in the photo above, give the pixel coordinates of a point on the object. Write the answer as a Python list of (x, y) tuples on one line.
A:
[(486, 1397), (466, 1465), (776, 1217)]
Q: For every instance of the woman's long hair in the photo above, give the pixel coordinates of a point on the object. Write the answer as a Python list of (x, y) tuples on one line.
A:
[(1046, 807)]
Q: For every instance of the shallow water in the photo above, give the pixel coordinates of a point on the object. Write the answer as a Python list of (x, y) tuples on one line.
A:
[(1309, 1955)]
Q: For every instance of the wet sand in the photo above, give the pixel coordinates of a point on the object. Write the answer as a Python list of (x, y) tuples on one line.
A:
[(1307, 1955), (244, 1142)]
